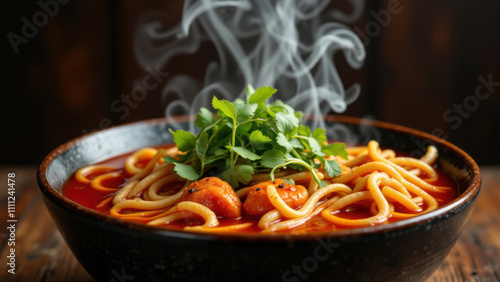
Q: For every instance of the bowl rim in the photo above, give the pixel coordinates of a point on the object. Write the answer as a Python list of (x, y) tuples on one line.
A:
[(463, 200)]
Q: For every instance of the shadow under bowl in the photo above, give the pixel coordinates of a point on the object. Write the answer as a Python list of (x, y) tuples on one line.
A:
[(111, 248)]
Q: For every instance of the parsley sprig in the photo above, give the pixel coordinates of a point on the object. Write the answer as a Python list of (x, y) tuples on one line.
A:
[(249, 137)]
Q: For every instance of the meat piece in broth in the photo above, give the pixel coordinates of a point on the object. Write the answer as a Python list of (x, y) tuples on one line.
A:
[(258, 204), (216, 195)]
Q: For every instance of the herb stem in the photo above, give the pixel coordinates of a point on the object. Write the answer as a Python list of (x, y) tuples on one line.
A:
[(297, 155), (233, 158), (301, 137), (255, 119), (309, 167), (212, 125)]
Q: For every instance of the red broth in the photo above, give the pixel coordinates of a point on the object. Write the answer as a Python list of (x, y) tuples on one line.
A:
[(84, 195)]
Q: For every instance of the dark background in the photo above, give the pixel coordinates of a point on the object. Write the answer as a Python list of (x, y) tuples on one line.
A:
[(422, 62)]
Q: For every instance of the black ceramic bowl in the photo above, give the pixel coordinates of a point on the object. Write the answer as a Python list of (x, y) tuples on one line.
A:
[(408, 250)]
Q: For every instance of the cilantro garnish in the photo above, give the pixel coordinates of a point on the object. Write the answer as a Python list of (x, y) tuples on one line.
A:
[(250, 137)]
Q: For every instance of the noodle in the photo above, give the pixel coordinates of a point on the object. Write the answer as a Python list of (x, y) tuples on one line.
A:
[(288, 212), (288, 224), (373, 151), (96, 183), (140, 204), (122, 194), (142, 173), (161, 171), (195, 208), (373, 193), (130, 163), (81, 174), (160, 183)]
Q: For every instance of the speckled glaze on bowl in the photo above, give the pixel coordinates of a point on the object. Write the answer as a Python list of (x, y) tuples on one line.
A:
[(110, 248)]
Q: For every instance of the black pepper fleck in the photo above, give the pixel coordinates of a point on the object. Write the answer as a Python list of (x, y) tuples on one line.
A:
[(208, 179), (281, 186), (258, 189), (197, 190), (190, 190)]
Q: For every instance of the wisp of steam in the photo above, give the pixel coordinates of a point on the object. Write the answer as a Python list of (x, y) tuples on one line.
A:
[(287, 44)]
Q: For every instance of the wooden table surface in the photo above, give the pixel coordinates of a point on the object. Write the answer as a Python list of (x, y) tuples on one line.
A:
[(42, 255)]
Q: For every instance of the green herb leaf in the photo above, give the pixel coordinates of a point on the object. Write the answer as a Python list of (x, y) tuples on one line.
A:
[(220, 152), (245, 153), (185, 158), (296, 144), (304, 131), (211, 159), (299, 115), (335, 149), (259, 140), (244, 111), (184, 140), (331, 167), (315, 147), (204, 118), (279, 106), (169, 160), (249, 91), (244, 129), (286, 122), (238, 174), (319, 135), (238, 101), (273, 158), (261, 95), (202, 145), (224, 106), (186, 171), (283, 142)]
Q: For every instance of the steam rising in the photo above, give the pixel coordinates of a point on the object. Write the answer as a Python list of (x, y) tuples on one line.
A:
[(282, 43)]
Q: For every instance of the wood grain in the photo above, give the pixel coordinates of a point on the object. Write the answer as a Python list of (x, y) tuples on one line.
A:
[(42, 255), (476, 256)]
